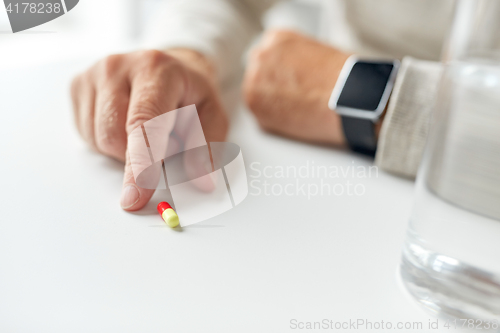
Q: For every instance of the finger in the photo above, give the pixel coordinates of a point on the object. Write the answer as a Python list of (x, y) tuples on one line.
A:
[(133, 197), (75, 100), (110, 117), (211, 114), (155, 89), (83, 93), (275, 36), (213, 120), (198, 167)]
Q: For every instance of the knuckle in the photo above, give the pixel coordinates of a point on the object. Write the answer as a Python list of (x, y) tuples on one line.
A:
[(111, 65), (110, 143), (153, 59), (135, 121), (259, 55), (105, 142), (265, 54), (143, 111), (276, 36)]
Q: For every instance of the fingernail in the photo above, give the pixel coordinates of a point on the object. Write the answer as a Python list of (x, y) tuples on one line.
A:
[(130, 196)]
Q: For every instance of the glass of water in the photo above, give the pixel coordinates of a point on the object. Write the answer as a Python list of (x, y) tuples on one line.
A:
[(451, 255)]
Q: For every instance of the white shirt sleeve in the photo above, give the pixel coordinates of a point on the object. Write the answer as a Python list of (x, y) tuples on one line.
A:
[(404, 131), (219, 29)]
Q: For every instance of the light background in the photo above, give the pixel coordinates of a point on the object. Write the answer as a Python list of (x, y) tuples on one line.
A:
[(97, 28)]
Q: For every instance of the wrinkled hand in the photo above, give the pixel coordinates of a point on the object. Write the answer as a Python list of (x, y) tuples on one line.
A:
[(123, 91), (288, 83)]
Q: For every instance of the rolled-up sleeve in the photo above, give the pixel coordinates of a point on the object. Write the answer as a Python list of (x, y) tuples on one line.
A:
[(404, 131)]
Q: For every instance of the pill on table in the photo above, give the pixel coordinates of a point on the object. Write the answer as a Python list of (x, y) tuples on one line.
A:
[(168, 214)]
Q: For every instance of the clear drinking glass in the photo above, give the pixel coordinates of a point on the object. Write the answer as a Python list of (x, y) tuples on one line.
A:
[(451, 255)]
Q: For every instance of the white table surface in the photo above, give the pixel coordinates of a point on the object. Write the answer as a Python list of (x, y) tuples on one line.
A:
[(72, 261)]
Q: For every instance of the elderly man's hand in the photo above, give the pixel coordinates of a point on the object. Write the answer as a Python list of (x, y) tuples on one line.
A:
[(288, 83), (123, 91)]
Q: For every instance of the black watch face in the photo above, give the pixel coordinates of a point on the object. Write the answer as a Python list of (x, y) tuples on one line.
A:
[(365, 85)]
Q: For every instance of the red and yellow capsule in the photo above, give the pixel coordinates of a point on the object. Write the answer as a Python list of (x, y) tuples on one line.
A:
[(168, 214)]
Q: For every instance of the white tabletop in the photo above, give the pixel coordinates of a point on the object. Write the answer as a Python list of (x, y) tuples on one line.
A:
[(72, 261)]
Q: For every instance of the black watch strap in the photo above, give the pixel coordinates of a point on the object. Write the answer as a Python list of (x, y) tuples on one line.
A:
[(360, 135)]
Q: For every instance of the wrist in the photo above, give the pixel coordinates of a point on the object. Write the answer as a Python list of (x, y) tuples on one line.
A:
[(331, 74), (361, 97)]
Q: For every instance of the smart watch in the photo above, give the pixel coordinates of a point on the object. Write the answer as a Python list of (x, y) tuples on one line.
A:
[(360, 97)]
